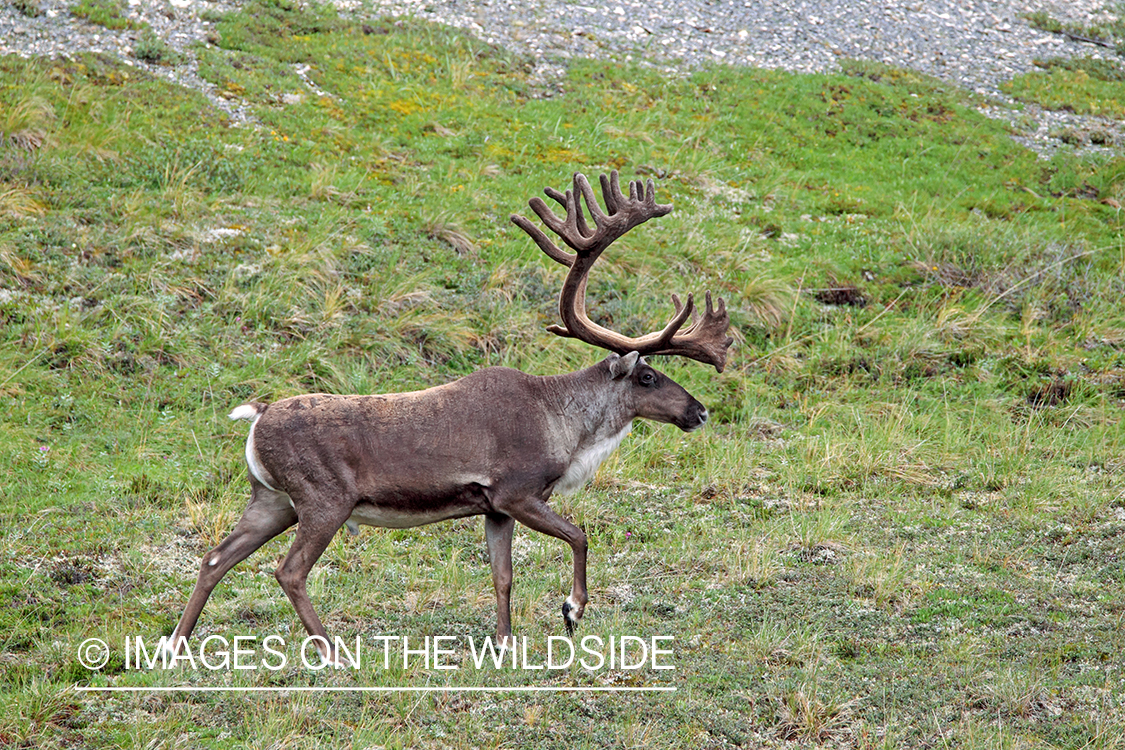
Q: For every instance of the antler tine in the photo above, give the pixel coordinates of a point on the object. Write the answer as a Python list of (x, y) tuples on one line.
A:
[(572, 229), (582, 186), (567, 228), (543, 241), (611, 192), (681, 313), (558, 195), (705, 339), (553, 221)]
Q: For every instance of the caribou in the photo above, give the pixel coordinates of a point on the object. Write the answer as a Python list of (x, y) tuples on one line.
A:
[(496, 443)]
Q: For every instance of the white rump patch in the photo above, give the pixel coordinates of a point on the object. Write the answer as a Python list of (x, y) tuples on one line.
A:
[(253, 461), (586, 462), (246, 411)]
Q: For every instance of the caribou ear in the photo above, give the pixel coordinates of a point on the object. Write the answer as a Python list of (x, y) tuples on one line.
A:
[(622, 367)]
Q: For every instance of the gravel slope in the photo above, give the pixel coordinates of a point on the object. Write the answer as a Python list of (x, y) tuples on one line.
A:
[(975, 44)]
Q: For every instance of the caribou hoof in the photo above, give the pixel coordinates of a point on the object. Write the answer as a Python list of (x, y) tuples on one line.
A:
[(571, 615), (337, 661)]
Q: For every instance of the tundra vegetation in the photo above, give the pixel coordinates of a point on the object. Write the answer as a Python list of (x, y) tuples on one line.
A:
[(903, 526)]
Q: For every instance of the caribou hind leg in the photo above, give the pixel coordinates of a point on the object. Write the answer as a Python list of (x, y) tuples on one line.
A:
[(319, 522), (268, 514)]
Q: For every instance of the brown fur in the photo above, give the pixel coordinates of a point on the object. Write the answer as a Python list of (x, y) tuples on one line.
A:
[(494, 443)]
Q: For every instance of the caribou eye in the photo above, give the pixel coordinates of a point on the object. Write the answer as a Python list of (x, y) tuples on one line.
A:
[(648, 378)]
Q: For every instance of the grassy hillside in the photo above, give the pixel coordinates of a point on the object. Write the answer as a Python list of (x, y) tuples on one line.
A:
[(903, 527)]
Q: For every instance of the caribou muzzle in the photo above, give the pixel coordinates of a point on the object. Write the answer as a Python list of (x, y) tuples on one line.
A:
[(693, 417)]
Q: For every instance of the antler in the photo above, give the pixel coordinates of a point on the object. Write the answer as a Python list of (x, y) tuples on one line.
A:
[(705, 340)]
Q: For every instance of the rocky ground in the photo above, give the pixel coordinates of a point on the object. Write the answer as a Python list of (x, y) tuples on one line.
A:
[(976, 44)]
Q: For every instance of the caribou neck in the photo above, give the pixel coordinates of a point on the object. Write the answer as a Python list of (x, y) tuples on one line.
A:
[(590, 416), (591, 407)]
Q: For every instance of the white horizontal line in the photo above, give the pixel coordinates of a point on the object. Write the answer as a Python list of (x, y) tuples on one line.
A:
[(424, 689)]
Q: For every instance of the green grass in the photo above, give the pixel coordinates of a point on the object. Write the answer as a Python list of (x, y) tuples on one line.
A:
[(902, 528), (151, 48), (107, 13), (1086, 86)]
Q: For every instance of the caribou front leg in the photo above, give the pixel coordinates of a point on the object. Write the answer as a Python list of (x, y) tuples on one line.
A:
[(537, 515), (498, 533)]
